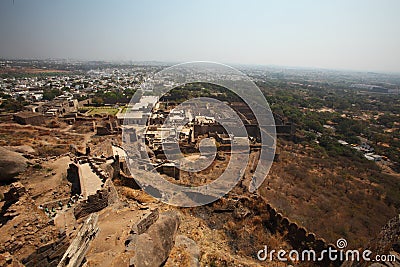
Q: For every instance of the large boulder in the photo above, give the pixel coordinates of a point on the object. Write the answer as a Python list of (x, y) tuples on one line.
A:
[(11, 164), (184, 253), (153, 247)]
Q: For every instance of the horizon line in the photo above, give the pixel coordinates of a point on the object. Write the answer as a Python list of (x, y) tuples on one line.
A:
[(173, 62)]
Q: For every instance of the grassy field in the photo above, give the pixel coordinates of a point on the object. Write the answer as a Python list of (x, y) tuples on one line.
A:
[(124, 109), (100, 110)]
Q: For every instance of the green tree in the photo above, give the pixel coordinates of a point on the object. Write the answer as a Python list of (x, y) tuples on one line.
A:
[(50, 94)]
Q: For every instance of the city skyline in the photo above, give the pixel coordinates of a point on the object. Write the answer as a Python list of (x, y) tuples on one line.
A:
[(344, 35)]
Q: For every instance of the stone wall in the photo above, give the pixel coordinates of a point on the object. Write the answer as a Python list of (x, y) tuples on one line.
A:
[(95, 166), (49, 254), (299, 237), (387, 242), (129, 181), (253, 130), (287, 129), (103, 198), (205, 129)]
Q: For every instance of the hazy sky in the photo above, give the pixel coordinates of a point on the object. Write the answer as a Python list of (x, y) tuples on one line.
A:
[(341, 34)]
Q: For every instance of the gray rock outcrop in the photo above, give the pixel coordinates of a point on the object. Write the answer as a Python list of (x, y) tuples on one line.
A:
[(188, 247), (11, 164), (153, 247)]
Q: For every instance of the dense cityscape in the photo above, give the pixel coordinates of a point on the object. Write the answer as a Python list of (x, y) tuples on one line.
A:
[(167, 133)]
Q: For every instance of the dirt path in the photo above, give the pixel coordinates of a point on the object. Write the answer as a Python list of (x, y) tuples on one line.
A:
[(108, 248), (50, 180)]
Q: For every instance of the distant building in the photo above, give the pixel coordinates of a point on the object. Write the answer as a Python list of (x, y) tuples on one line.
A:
[(371, 88), (106, 127), (59, 107), (224, 138), (139, 113), (374, 157), (170, 169), (204, 120)]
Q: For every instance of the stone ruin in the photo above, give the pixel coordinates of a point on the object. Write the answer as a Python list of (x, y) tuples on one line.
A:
[(104, 197), (298, 237), (49, 254)]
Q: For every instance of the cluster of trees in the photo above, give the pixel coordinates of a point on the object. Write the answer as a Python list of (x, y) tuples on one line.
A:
[(300, 105), (388, 120), (113, 97), (13, 105), (193, 90), (50, 94)]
